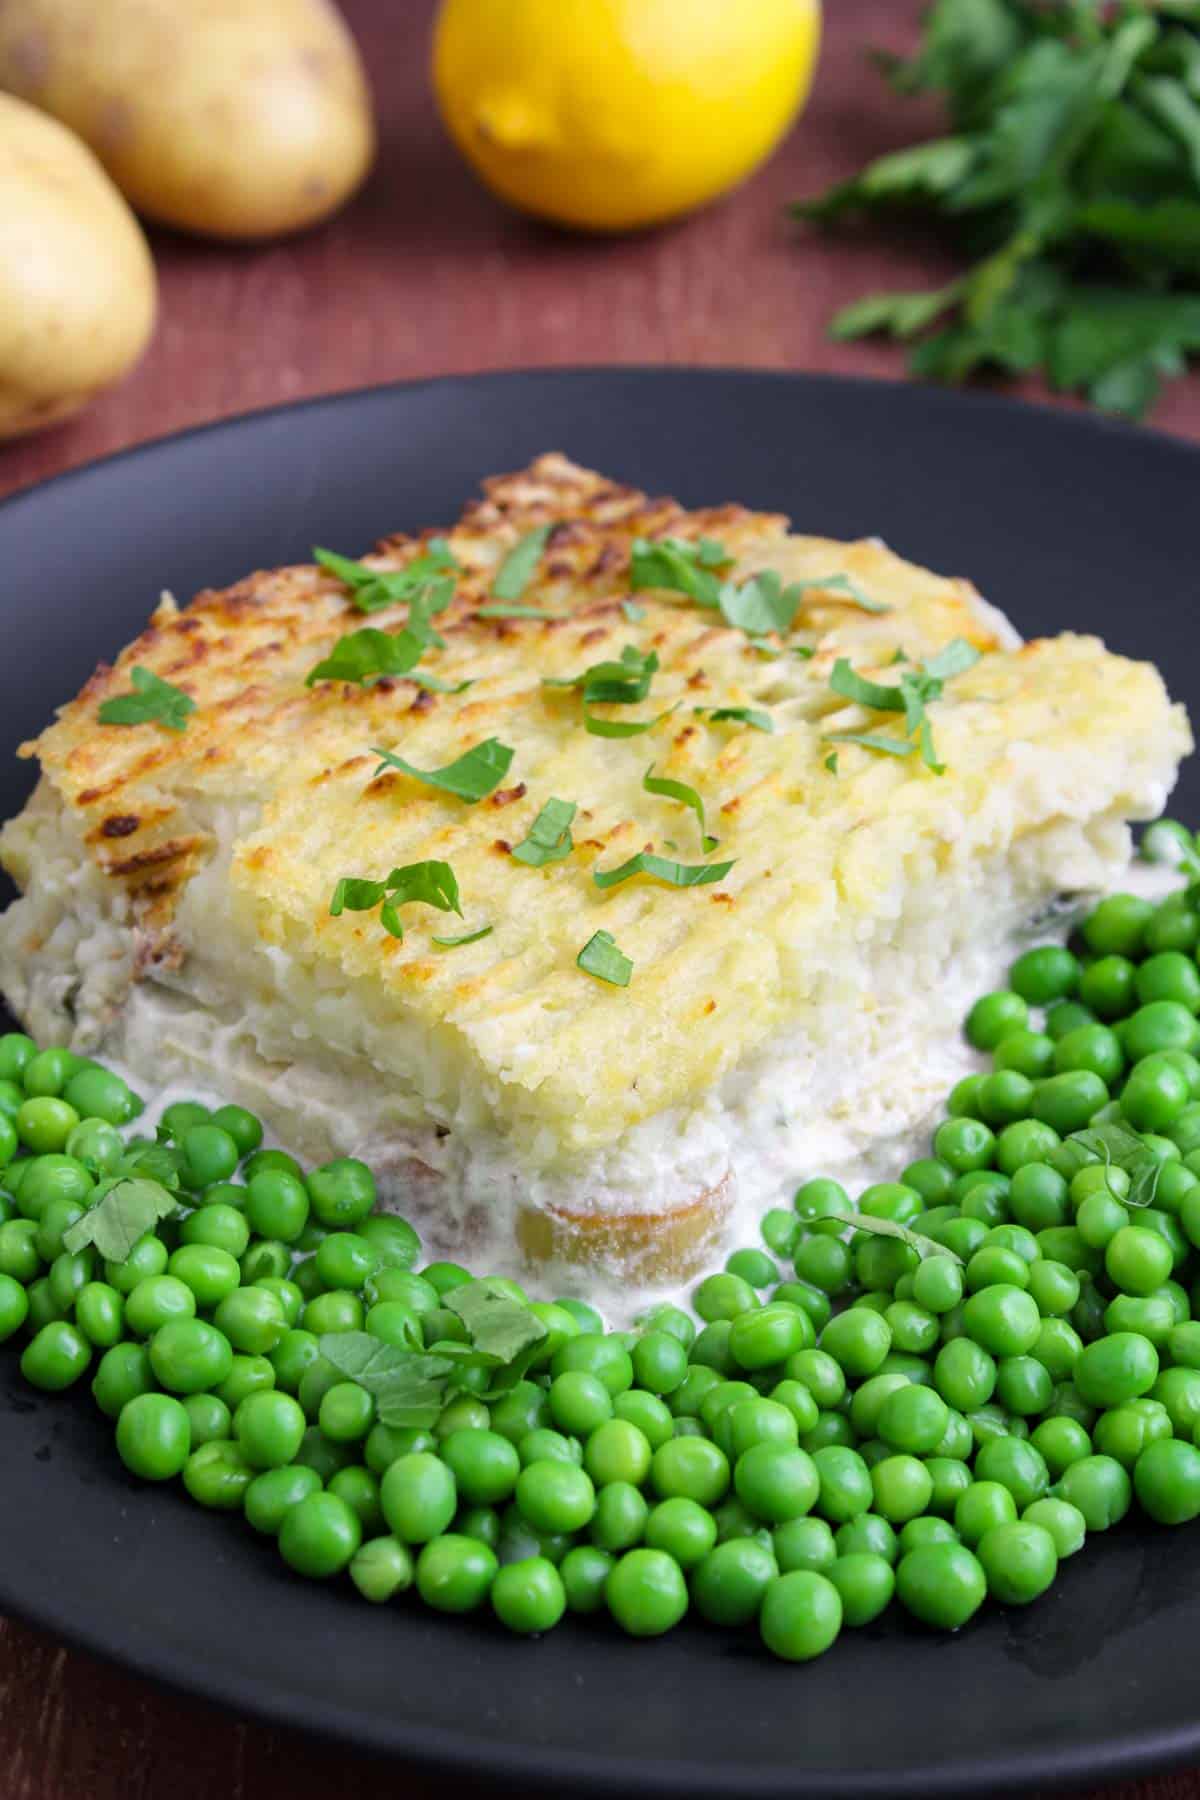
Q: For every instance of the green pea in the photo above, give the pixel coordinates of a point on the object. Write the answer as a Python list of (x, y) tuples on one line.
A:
[(269, 1428), (993, 1017), (1016, 1465), (122, 1372), (1025, 1141), (823, 1262), (1003, 1319), (209, 1154), (801, 1615), (319, 1535), (242, 1126), (1117, 925), (943, 1585), (865, 1583), (965, 1374), (1166, 1479), (346, 1413), (209, 1418), (220, 1226), (1020, 1561), (268, 1159), (1028, 1053), (209, 1273), (730, 1584), (1048, 973), (265, 1260), (100, 1314), (419, 1497), (277, 1205), (16, 1053), (189, 1356), (342, 1193), (154, 1436), (857, 1340), (99, 1147), (594, 1353), (1064, 1522), (1100, 1488), (271, 1496), (528, 1595), (520, 1410), (913, 1419), (19, 1258), (56, 1357), (1179, 1392), (14, 1306), (1124, 1431), (359, 1488), (249, 1374)]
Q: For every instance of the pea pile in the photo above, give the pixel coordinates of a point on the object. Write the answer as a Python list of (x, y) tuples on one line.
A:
[(933, 1393)]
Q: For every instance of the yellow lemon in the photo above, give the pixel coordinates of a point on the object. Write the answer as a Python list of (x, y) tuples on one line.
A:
[(608, 114)]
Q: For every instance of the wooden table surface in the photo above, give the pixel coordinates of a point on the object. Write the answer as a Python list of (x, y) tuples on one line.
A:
[(425, 274)]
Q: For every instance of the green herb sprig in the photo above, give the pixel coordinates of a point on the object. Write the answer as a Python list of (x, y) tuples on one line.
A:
[(1070, 180), (471, 776), (910, 696), (431, 883), (373, 589), (152, 702)]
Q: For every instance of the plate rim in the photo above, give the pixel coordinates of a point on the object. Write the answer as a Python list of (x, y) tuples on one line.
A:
[(434, 1747)]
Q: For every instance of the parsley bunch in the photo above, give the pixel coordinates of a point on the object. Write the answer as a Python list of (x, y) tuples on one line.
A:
[(1070, 178)]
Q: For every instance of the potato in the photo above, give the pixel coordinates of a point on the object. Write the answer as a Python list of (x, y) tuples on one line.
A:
[(77, 287), (233, 118)]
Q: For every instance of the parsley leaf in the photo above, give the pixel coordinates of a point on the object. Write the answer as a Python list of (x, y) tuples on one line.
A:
[(831, 762), (431, 883), (366, 654), (760, 605), (548, 839), (373, 589), (468, 937), (869, 740), (499, 1326), (152, 702), (516, 571), (512, 609), (124, 1212), (843, 587), (915, 689), (741, 715), (409, 1389), (675, 874), (916, 1240), (687, 796), (1071, 184), (602, 958), (621, 683), (1118, 1147), (471, 776), (679, 565), (632, 612)]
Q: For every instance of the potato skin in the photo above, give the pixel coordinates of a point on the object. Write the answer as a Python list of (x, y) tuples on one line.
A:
[(77, 289), (232, 118)]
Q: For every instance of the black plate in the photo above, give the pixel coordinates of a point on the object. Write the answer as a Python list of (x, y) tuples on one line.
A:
[(1065, 523)]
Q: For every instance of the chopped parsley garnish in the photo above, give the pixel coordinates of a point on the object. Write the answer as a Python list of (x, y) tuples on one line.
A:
[(622, 683), (633, 613), (846, 588), (471, 776), (675, 874), (687, 796), (510, 609), (549, 837), (622, 728), (679, 565), (367, 654), (739, 715), (516, 571), (430, 883), (760, 605), (831, 762), (152, 702), (602, 958), (763, 605), (434, 685), (910, 696), (468, 937), (373, 589)]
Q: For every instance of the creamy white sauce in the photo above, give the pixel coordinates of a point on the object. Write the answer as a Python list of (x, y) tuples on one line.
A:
[(864, 1136)]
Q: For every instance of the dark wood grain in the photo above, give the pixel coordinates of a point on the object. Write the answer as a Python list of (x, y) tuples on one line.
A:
[(423, 275)]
